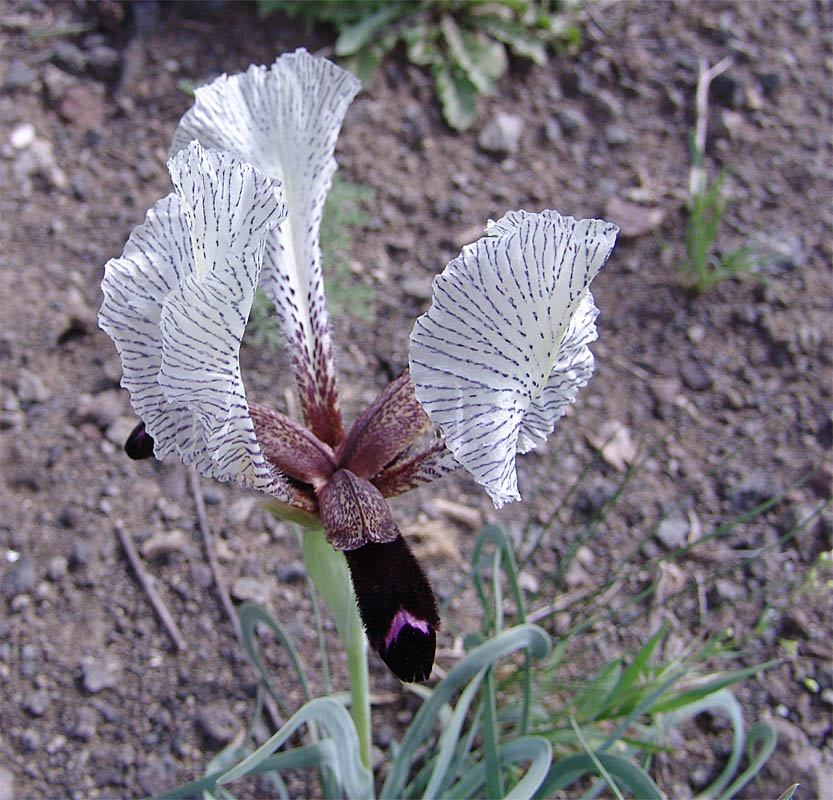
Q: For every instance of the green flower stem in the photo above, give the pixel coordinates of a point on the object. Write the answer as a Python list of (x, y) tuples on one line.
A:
[(327, 568)]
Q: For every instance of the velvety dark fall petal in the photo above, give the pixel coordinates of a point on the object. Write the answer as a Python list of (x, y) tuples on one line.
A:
[(290, 447), (139, 444), (388, 425), (397, 607), (353, 512)]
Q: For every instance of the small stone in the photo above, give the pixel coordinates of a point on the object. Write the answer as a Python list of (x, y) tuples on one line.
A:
[(30, 388), (18, 76), (616, 135), (240, 510), (85, 724), (119, 429), (502, 134), (201, 575), (633, 219), (6, 784), (30, 740), (164, 543), (695, 375), (755, 488), (69, 516), (552, 131), (100, 673), (613, 440), (417, 287), (218, 722), (101, 409), (212, 495), (19, 579), (293, 572), (672, 531), (572, 121), (103, 61), (22, 136), (69, 57), (56, 82), (57, 568), (157, 775), (258, 590), (729, 590), (37, 702), (82, 107)]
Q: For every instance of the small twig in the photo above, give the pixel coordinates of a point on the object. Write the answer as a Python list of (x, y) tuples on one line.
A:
[(208, 544), (222, 587), (697, 177), (147, 584)]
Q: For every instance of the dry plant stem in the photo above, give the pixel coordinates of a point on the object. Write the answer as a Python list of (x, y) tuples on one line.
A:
[(222, 587), (697, 178), (147, 584)]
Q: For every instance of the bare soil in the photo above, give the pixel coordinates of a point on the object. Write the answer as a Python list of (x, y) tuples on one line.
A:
[(96, 700)]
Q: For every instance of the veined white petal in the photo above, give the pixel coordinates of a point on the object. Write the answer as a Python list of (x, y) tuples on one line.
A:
[(503, 348), (176, 303), (285, 120)]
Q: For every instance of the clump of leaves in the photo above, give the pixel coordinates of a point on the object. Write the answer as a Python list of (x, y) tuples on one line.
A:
[(344, 214), (705, 265), (464, 43)]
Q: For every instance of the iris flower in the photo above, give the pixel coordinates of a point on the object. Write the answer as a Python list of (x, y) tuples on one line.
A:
[(494, 362)]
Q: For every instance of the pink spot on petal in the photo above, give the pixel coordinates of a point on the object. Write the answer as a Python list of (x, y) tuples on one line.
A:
[(402, 619)]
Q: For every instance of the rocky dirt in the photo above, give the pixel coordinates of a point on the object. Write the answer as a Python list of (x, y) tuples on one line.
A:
[(96, 699)]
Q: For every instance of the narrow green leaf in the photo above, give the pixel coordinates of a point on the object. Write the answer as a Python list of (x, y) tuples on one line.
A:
[(458, 97), (568, 770), (592, 699), (354, 37), (764, 738)]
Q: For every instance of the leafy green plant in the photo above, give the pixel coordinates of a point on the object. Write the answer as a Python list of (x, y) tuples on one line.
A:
[(704, 265), (344, 214), (464, 43)]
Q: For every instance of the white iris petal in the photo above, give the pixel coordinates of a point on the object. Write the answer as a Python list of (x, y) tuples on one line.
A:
[(285, 120), (503, 349), (176, 303)]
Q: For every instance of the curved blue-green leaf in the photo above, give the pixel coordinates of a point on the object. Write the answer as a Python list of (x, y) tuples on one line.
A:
[(249, 615), (567, 771), (762, 736), (345, 763), (509, 641), (535, 750)]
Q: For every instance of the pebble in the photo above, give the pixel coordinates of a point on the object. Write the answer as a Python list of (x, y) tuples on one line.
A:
[(633, 219), (86, 723), (30, 740), (101, 409), (82, 107), (201, 575), (164, 543), (572, 121), (754, 488), (30, 388), (258, 590), (6, 784), (616, 135), (158, 774), (56, 82), (69, 57), (19, 579), (240, 510), (672, 531), (501, 135), (100, 672), (218, 722), (552, 131), (695, 375), (22, 136), (57, 568), (291, 573), (119, 429), (102, 61), (37, 702), (212, 495), (18, 76)]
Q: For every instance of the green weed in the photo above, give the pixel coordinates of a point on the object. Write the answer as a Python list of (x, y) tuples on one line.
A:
[(465, 44)]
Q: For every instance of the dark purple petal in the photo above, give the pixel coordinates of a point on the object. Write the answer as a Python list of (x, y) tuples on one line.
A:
[(139, 444), (397, 607)]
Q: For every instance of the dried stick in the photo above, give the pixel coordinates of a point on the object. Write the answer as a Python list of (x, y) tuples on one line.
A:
[(222, 587), (697, 177), (219, 580), (147, 584)]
